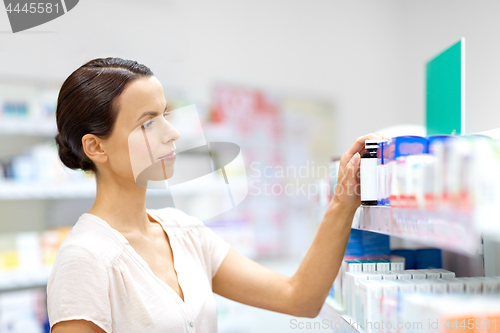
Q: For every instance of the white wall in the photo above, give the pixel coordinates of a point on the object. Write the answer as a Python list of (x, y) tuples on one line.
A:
[(432, 25), (366, 57), (345, 52)]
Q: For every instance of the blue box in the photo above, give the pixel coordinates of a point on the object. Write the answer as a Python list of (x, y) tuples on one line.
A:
[(428, 258)]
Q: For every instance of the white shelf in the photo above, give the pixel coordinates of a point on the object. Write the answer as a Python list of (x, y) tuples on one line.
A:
[(19, 280), (454, 233), (10, 190), (28, 127), (26, 191), (18, 135), (336, 320)]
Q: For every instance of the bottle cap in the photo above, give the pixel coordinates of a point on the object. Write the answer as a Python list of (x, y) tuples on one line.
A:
[(370, 144)]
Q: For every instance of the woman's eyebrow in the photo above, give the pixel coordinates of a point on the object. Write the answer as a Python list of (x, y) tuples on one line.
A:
[(150, 113)]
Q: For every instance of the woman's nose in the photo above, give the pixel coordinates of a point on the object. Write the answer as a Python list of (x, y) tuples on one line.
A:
[(169, 132)]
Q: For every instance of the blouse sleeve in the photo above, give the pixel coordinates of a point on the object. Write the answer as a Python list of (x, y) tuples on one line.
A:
[(78, 288), (217, 248)]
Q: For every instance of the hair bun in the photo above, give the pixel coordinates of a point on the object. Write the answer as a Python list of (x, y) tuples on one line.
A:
[(67, 154)]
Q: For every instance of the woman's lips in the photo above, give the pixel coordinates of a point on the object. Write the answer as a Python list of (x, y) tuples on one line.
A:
[(170, 156)]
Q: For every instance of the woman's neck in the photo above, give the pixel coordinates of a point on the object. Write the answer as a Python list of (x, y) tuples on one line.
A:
[(122, 205)]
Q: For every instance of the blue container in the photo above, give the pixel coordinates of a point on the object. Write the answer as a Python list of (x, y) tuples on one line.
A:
[(428, 258), (409, 256), (355, 243), (375, 244)]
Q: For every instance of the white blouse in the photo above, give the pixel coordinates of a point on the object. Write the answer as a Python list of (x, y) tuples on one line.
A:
[(99, 277)]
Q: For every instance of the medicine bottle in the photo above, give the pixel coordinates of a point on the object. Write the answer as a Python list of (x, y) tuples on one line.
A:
[(368, 173)]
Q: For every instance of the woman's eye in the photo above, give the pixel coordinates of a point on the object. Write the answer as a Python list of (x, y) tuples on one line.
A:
[(148, 124), (166, 114)]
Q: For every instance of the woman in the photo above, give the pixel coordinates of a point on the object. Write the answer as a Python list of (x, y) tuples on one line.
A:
[(115, 271)]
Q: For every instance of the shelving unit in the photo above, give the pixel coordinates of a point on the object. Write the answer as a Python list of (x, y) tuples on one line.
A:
[(428, 228), (19, 132), (27, 191), (21, 127), (18, 280), (453, 233), (337, 321), (17, 135)]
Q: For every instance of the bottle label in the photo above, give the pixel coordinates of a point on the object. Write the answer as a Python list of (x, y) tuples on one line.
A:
[(368, 179)]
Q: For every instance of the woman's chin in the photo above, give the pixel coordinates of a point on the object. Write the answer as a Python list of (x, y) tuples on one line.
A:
[(155, 172)]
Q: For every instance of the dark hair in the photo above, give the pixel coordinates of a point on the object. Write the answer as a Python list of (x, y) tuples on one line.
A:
[(85, 105)]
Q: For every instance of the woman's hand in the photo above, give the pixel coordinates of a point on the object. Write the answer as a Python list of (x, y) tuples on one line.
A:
[(348, 189)]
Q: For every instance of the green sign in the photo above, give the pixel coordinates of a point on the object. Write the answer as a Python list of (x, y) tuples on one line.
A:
[(445, 102)]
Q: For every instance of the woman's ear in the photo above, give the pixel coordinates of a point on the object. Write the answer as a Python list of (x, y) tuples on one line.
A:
[(93, 148)]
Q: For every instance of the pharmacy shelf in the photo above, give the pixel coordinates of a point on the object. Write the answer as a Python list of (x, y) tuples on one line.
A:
[(452, 232), (18, 280), (336, 320), (18, 135), (10, 190), (28, 127), (26, 191)]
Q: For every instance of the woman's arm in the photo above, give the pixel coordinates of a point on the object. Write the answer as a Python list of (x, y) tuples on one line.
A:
[(245, 281), (76, 326)]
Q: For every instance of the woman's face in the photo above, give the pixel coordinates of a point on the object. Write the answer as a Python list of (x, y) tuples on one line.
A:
[(142, 135)]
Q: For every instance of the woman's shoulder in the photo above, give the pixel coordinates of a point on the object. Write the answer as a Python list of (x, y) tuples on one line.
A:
[(89, 237)]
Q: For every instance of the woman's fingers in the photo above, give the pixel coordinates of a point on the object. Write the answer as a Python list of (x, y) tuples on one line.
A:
[(382, 136), (347, 190), (352, 169), (348, 186), (359, 145), (353, 166)]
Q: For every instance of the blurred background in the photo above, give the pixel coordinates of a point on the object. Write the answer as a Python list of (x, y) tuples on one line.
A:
[(293, 83)]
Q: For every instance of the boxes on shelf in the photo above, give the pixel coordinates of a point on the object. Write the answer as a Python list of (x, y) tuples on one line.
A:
[(448, 313), (41, 166), (347, 276), (444, 187), (40, 173), (363, 247), (385, 301), (438, 172), (356, 270), (400, 177), (382, 173), (23, 311), (420, 258), (366, 243), (14, 108), (27, 257), (35, 101)]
